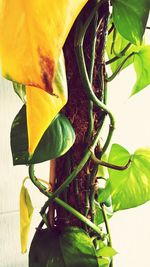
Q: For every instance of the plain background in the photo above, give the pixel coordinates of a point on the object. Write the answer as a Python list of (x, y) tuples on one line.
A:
[(130, 229)]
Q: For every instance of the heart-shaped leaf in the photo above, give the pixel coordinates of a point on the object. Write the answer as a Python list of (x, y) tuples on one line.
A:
[(66, 247), (130, 18), (26, 210), (120, 158), (106, 251), (131, 187), (142, 69), (31, 37), (57, 139)]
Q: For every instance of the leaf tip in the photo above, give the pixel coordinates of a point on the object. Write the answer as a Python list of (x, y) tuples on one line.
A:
[(30, 154)]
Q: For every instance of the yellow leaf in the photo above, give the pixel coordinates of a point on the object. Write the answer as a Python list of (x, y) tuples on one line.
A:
[(43, 107), (26, 210), (32, 34)]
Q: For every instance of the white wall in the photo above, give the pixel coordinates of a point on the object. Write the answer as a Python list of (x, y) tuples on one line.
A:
[(130, 228), (10, 184)]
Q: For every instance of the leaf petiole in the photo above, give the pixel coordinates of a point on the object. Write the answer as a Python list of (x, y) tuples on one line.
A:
[(109, 165)]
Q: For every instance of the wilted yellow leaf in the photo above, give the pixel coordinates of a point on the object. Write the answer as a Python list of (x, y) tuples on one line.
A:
[(43, 107), (26, 210), (32, 34)]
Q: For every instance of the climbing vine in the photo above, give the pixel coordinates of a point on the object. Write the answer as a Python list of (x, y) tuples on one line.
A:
[(106, 35)]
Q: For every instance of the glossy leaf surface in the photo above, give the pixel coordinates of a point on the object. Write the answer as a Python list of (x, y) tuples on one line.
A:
[(32, 34), (77, 248), (69, 247), (57, 139), (106, 251), (130, 18), (131, 187), (142, 69), (26, 210)]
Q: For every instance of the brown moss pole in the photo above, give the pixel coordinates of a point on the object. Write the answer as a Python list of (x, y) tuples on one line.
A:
[(77, 111)]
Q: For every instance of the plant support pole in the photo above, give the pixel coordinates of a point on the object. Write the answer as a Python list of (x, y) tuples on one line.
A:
[(60, 202)]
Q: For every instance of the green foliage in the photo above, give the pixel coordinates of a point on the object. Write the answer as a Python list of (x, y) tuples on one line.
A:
[(56, 141), (106, 251), (103, 262), (99, 218), (102, 171), (72, 246), (142, 68), (129, 188), (20, 90), (130, 18), (120, 44), (108, 202), (68, 247)]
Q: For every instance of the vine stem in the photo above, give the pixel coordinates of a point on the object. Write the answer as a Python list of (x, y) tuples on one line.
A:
[(121, 54), (91, 71), (112, 50), (60, 202), (109, 165), (87, 207), (86, 82), (79, 41), (109, 79), (52, 169), (107, 229), (90, 206), (89, 203), (111, 29), (75, 172)]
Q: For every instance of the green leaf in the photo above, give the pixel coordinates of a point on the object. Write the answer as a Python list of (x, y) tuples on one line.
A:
[(103, 262), (142, 69), (130, 18), (20, 90), (118, 156), (99, 218), (108, 202), (129, 188), (120, 44), (102, 171), (77, 248), (68, 247), (56, 141), (106, 252), (45, 249), (26, 210), (100, 244)]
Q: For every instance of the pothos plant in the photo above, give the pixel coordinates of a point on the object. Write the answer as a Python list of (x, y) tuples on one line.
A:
[(57, 54)]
